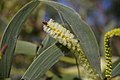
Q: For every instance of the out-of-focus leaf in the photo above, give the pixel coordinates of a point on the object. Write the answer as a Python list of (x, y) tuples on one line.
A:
[(68, 60), (82, 31), (25, 47), (2, 26), (109, 27), (42, 63), (10, 37), (7, 79), (79, 27), (48, 41), (115, 61), (66, 77), (116, 70)]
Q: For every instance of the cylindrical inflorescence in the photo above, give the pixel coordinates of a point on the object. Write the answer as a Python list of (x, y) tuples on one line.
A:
[(66, 38), (108, 55)]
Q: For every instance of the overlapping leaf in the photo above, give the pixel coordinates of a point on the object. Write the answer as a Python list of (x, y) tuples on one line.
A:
[(48, 41), (25, 47), (82, 31), (116, 70), (10, 36), (42, 63), (48, 57)]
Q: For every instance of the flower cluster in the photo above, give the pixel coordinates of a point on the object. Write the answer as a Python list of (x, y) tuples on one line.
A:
[(108, 36), (66, 38)]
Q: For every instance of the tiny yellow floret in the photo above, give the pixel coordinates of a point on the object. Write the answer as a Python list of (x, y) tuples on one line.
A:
[(66, 38), (108, 55)]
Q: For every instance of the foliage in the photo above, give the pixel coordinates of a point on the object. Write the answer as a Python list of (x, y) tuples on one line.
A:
[(51, 50)]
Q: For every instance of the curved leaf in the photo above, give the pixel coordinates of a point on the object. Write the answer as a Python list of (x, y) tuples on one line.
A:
[(42, 63), (10, 36), (116, 70), (48, 41), (25, 47), (79, 27), (83, 32)]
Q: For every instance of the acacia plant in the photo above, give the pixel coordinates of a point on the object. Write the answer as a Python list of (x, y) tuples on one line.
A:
[(77, 38)]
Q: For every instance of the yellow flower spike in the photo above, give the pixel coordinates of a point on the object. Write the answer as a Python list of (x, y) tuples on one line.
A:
[(108, 55), (66, 38)]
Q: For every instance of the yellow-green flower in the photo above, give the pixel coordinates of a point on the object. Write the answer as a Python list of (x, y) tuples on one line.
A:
[(108, 36), (66, 38)]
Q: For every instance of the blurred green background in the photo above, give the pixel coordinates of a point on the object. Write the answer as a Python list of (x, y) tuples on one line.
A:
[(101, 15)]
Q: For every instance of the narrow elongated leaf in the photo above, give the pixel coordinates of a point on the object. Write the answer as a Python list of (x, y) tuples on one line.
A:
[(25, 47), (42, 63), (116, 71), (82, 31), (10, 36)]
